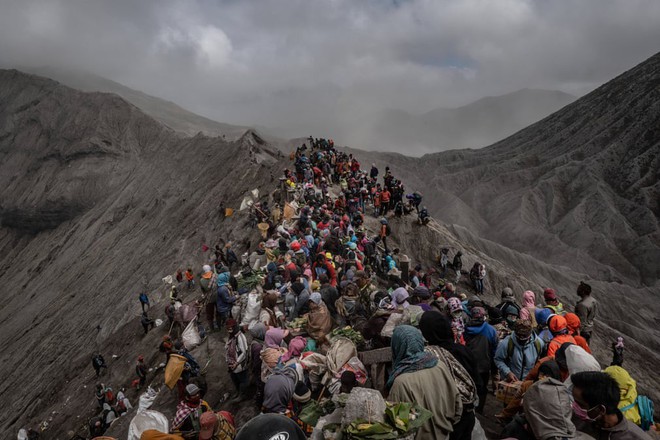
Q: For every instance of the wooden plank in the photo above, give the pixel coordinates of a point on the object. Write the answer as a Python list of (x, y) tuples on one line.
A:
[(378, 356)]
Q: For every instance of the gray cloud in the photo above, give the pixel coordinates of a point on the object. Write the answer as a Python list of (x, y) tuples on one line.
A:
[(325, 66)]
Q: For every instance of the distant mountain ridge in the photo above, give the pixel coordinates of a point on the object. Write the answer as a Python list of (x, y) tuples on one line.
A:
[(474, 125), (166, 112)]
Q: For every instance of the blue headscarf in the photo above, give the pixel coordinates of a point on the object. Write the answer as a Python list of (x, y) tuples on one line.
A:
[(223, 279), (408, 353)]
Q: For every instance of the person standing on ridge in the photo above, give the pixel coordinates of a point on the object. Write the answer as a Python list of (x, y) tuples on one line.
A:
[(586, 309)]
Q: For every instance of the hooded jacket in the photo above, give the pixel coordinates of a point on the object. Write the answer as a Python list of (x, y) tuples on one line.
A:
[(547, 406), (528, 310), (225, 299), (521, 361), (486, 330)]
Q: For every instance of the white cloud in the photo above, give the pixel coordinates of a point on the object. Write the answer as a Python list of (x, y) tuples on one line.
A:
[(319, 64)]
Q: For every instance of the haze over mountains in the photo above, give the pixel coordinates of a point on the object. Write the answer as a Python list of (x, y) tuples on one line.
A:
[(100, 200), (475, 125)]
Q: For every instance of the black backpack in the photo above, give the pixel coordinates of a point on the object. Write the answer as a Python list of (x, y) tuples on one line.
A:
[(480, 348)]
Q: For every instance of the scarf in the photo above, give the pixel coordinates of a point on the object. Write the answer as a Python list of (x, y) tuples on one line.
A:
[(296, 346), (182, 413), (408, 353), (274, 337)]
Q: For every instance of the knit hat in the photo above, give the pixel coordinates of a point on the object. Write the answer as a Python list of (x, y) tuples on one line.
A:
[(301, 394), (549, 294), (557, 324), (507, 293), (206, 268)]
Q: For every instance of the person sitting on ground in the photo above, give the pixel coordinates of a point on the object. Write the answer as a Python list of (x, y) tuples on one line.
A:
[(596, 399), (573, 323), (423, 216), (188, 412), (552, 302), (301, 396), (586, 309), (517, 354), (414, 373)]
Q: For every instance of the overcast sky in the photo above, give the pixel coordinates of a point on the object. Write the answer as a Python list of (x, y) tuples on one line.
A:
[(315, 62)]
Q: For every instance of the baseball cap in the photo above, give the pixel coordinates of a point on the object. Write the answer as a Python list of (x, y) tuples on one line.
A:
[(271, 427), (207, 423)]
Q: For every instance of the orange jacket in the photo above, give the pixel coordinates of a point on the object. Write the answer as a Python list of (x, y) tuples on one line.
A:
[(558, 340)]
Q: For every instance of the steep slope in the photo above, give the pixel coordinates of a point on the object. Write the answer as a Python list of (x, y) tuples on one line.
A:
[(167, 112), (99, 201), (581, 188), (480, 123)]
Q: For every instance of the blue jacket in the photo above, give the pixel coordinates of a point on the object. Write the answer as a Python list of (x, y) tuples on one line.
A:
[(225, 300), (522, 359), (488, 331)]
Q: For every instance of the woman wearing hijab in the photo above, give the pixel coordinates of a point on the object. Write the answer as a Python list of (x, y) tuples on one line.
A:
[(270, 315), (436, 329), (400, 298), (272, 351), (414, 373), (319, 322)]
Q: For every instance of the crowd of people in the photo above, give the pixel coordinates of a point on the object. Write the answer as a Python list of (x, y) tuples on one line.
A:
[(329, 281)]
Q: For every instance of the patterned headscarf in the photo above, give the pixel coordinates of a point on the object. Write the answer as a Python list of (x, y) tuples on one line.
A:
[(408, 353)]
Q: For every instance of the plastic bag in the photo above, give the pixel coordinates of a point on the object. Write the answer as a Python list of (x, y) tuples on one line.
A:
[(252, 308), (147, 419), (147, 399), (190, 335)]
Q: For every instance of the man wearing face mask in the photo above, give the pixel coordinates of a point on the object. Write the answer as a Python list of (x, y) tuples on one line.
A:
[(596, 400), (517, 354)]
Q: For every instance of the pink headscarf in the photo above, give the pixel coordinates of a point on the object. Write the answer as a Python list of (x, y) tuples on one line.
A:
[(296, 346), (529, 299), (274, 337)]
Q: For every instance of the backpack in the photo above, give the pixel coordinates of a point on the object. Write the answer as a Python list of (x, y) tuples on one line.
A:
[(510, 347), (479, 346), (645, 406), (464, 383)]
